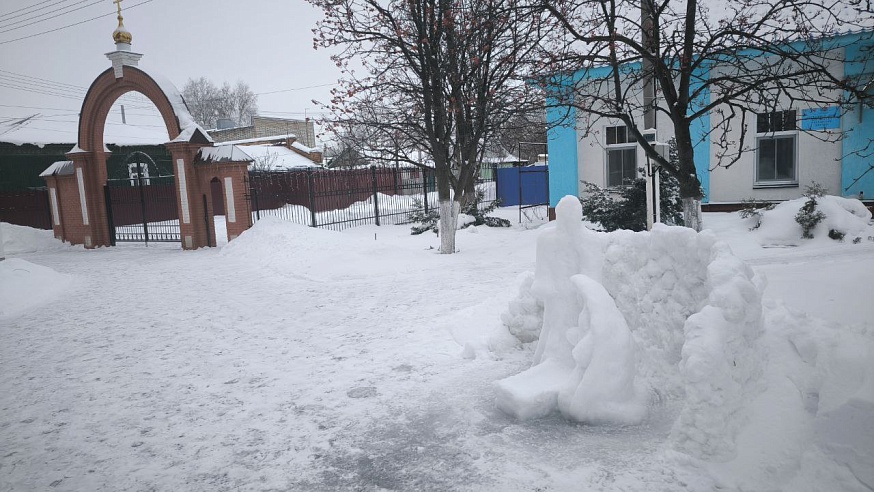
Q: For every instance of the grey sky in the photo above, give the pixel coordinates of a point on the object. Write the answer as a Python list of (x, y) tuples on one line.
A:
[(266, 43)]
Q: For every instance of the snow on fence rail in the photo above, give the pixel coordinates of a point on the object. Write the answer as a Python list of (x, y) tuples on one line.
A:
[(337, 199)]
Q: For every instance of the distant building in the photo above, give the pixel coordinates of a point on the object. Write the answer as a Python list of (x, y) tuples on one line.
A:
[(793, 143), (263, 126), (29, 145)]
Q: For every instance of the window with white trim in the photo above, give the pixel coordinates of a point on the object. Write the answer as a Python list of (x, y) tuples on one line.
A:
[(621, 157), (776, 148)]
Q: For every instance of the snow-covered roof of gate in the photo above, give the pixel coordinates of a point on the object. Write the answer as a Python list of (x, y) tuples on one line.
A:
[(223, 153), (187, 125), (277, 157), (264, 157), (59, 168)]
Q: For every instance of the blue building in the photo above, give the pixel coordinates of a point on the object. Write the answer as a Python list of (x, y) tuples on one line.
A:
[(788, 145)]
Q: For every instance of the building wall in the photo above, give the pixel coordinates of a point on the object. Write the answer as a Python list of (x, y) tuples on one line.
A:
[(858, 123), (269, 127), (818, 153), (836, 158)]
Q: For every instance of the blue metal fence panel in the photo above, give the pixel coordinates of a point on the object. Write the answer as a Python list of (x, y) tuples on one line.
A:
[(522, 185)]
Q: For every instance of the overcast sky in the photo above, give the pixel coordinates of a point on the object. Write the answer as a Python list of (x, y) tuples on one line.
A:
[(266, 43)]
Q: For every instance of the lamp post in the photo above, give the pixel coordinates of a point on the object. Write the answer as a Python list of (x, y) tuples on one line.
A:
[(653, 189)]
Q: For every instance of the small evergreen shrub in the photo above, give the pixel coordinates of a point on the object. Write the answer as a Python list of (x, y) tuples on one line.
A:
[(431, 221), (481, 214), (754, 208), (625, 207), (423, 221), (836, 235), (808, 217)]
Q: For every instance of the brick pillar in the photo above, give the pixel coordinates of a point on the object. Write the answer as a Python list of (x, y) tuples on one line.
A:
[(235, 187), (56, 206), (84, 219), (233, 177), (189, 196)]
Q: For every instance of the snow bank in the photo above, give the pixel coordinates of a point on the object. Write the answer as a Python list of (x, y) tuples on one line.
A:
[(24, 285), (19, 239), (847, 215), (313, 254), (626, 317)]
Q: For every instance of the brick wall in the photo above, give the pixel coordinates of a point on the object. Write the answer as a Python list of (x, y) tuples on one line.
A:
[(268, 127)]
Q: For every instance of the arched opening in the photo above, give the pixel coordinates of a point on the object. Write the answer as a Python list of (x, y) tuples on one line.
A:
[(91, 157), (218, 199)]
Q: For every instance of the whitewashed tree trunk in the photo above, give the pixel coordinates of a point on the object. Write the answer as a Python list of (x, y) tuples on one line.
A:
[(692, 213), (448, 222)]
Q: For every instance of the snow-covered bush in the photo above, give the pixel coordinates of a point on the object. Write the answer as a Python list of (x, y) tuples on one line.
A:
[(808, 216), (625, 207), (753, 209), (847, 216), (631, 318), (471, 215)]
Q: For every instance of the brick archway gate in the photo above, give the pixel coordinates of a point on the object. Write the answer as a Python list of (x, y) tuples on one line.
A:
[(76, 187)]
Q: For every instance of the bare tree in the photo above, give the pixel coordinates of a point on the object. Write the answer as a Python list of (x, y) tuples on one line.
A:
[(527, 129), (208, 103), (438, 76), (721, 61)]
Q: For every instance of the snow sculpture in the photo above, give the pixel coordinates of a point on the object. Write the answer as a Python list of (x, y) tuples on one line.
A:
[(630, 318), (585, 359)]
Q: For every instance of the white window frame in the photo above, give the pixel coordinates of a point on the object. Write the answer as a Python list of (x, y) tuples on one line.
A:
[(618, 147), (758, 182), (777, 183)]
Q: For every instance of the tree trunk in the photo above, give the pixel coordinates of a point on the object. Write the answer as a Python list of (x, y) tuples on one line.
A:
[(692, 213), (448, 223), (448, 208), (687, 176)]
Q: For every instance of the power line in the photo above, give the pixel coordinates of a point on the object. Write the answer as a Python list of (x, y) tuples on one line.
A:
[(17, 79), (38, 107), (74, 24), (26, 8), (43, 15), (291, 90), (29, 78)]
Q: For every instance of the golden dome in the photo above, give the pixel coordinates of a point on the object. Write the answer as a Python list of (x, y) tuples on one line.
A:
[(121, 34)]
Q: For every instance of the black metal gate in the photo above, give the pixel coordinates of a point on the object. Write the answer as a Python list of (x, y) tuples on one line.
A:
[(142, 208)]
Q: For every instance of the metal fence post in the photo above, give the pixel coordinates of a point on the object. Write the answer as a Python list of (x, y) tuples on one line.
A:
[(312, 192), (375, 190), (111, 223), (425, 188), (253, 192)]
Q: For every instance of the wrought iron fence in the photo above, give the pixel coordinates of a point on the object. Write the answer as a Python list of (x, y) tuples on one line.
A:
[(142, 209), (337, 199)]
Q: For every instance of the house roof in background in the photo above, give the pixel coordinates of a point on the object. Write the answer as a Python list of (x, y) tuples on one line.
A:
[(40, 131), (277, 157)]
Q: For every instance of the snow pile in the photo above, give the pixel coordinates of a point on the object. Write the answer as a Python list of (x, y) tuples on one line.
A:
[(630, 316), (24, 285), (846, 215), (313, 254), (19, 239)]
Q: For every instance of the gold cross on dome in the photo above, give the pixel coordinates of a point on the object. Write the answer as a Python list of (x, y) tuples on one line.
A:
[(118, 4)]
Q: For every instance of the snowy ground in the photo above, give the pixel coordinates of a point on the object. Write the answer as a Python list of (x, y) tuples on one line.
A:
[(303, 359)]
